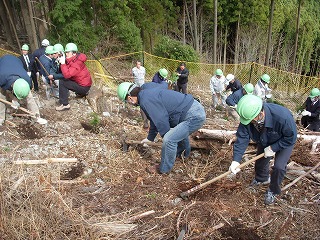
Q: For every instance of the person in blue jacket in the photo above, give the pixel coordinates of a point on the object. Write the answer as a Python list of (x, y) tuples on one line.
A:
[(160, 76), (149, 85), (172, 114), (234, 98), (14, 78), (274, 130)]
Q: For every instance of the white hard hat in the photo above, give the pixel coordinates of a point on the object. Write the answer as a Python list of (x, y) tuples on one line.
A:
[(45, 42), (230, 77)]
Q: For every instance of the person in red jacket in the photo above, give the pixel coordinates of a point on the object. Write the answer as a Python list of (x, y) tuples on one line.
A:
[(76, 74)]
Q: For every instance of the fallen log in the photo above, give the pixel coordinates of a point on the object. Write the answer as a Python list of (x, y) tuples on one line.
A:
[(298, 178), (226, 135), (137, 217), (46, 161)]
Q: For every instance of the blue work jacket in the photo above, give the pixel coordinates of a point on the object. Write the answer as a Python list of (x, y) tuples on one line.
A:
[(11, 68), (279, 132), (46, 66), (234, 98), (164, 108), (149, 85)]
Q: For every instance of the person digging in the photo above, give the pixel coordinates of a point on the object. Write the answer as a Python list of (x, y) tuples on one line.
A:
[(14, 78), (172, 114), (274, 130)]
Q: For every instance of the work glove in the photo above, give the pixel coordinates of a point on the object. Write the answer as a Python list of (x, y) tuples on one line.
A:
[(62, 59), (268, 152), (145, 142), (234, 107), (306, 113), (29, 74), (269, 95), (15, 104), (233, 167)]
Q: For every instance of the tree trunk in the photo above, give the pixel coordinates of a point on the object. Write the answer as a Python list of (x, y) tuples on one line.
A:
[(215, 30), (266, 63), (6, 25), (225, 46), (297, 37), (190, 23), (13, 26), (195, 25), (33, 38), (236, 44), (184, 23)]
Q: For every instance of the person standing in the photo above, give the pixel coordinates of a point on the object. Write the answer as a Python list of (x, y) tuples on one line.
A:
[(28, 62), (274, 130), (182, 82), (76, 74), (262, 89), (172, 114), (38, 53), (310, 115), (138, 73), (217, 87), (14, 78)]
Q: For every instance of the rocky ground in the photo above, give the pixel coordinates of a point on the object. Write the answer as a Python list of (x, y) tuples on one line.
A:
[(104, 194)]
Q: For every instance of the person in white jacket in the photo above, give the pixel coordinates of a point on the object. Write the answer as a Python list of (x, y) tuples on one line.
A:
[(261, 89), (218, 84)]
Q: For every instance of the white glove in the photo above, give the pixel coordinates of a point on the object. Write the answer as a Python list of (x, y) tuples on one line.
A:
[(268, 152), (15, 104), (62, 59), (145, 141), (306, 113), (269, 95), (234, 107), (29, 74), (233, 167)]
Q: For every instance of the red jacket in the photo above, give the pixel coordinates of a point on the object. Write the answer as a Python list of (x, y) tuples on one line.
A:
[(76, 70)]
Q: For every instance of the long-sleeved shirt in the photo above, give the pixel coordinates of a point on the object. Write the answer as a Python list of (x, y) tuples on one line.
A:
[(217, 85), (279, 131)]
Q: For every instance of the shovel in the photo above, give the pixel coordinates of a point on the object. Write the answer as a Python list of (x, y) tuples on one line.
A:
[(186, 194), (39, 120)]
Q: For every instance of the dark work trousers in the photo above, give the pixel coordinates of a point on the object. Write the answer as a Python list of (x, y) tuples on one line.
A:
[(278, 171), (311, 123), (65, 85), (35, 81), (181, 87)]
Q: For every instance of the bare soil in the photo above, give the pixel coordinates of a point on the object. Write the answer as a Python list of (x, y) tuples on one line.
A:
[(100, 197)]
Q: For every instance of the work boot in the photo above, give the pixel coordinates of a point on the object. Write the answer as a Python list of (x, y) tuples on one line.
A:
[(269, 197), (63, 107), (256, 183)]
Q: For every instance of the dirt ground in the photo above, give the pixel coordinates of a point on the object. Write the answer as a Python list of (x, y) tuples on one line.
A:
[(104, 194)]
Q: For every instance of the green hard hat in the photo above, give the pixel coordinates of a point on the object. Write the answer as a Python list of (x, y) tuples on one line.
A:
[(315, 92), (248, 108), (58, 47), (71, 47), (249, 88), (123, 89), (265, 78), (50, 50), (25, 47), (21, 88), (163, 72), (219, 72)]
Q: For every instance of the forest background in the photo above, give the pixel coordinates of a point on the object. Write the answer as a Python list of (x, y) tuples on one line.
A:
[(282, 34)]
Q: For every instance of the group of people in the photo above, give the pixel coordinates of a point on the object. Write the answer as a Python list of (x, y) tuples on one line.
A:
[(175, 115), (60, 69)]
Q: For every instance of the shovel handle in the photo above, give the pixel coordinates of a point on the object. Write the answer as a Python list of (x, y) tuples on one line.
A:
[(21, 108), (186, 194)]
